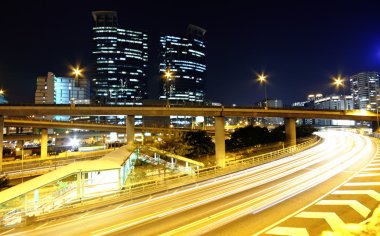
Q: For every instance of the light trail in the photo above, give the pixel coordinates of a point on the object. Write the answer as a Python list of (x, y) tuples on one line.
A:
[(251, 191)]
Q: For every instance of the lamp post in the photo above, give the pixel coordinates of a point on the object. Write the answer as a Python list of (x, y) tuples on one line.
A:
[(338, 81), (263, 80), (168, 76)]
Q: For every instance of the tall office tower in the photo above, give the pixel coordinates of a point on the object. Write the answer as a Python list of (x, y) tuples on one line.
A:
[(364, 89), (61, 90), (185, 58), (120, 62)]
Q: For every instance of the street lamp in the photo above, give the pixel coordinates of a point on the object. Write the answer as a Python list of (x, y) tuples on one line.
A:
[(263, 80), (76, 71), (168, 76), (338, 82), (2, 92)]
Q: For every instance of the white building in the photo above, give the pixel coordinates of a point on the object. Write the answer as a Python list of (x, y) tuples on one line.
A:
[(364, 89), (61, 90)]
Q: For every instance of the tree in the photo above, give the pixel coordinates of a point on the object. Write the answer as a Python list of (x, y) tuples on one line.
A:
[(249, 136), (200, 142), (188, 144)]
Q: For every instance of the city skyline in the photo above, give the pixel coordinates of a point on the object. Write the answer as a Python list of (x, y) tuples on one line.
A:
[(290, 42)]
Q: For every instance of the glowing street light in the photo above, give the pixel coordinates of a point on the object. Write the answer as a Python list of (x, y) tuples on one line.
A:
[(2, 92), (168, 76), (339, 82), (263, 80)]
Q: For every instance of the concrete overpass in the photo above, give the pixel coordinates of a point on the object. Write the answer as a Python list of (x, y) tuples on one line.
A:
[(219, 113), (82, 110)]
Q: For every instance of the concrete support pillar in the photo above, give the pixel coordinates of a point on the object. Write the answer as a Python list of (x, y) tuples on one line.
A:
[(290, 131), (130, 129), (1, 142), (220, 149), (44, 143)]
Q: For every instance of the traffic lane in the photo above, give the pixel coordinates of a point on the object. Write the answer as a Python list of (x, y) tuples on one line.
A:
[(251, 224), (174, 223), (222, 190), (184, 200)]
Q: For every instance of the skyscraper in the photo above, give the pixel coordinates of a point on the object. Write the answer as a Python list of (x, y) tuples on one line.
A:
[(364, 88), (120, 62), (185, 58)]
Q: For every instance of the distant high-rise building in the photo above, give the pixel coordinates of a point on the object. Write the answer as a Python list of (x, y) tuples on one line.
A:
[(61, 90), (334, 102), (272, 103), (120, 62), (364, 89), (185, 57)]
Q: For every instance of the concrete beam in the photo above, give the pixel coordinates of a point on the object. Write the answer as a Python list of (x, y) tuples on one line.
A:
[(39, 110), (220, 146), (290, 131), (44, 143), (130, 129), (1, 141)]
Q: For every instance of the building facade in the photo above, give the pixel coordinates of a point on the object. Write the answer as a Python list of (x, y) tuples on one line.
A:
[(334, 102), (120, 62), (61, 90), (272, 103), (185, 58), (364, 89)]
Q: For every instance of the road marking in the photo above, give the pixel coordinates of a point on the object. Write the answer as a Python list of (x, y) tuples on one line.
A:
[(357, 206), (331, 218), (363, 184), (372, 193), (290, 231), (374, 164), (84, 215), (371, 169), (7, 231), (367, 175), (119, 206), (42, 226)]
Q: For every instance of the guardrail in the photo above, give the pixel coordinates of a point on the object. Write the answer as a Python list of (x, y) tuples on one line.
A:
[(146, 188)]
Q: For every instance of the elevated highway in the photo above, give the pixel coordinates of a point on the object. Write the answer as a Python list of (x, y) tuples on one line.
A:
[(79, 110), (219, 113)]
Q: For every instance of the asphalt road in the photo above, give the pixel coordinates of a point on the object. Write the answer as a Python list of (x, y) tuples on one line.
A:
[(255, 201)]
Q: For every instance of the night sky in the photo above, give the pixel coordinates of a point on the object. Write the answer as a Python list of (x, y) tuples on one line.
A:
[(300, 45)]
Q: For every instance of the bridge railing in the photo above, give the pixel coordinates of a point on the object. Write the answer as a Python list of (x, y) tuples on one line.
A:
[(274, 155)]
